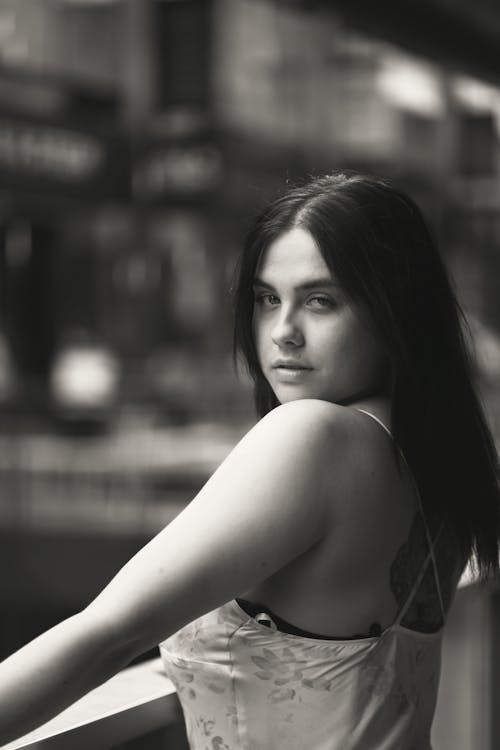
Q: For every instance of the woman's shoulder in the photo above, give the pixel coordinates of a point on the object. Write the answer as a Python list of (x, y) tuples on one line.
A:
[(358, 458), (321, 437), (308, 421), (300, 433), (312, 415)]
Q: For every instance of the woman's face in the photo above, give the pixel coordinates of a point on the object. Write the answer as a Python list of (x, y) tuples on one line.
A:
[(311, 342)]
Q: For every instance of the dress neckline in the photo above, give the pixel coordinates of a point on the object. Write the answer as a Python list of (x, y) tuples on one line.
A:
[(333, 642)]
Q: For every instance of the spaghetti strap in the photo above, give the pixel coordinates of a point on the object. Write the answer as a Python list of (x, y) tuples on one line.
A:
[(379, 421), (432, 553), (416, 585), (431, 556)]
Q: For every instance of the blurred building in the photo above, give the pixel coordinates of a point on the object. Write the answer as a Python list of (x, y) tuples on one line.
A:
[(111, 172), (136, 138)]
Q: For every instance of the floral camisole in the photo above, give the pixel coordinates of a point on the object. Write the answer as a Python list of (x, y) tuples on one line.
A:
[(245, 685)]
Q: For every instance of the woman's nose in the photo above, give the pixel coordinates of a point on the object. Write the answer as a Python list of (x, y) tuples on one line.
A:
[(287, 329)]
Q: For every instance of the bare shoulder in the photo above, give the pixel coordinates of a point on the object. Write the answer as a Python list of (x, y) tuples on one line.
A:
[(320, 415), (327, 443), (309, 430), (308, 418)]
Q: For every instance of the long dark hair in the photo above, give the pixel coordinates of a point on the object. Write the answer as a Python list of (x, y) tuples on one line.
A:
[(374, 238)]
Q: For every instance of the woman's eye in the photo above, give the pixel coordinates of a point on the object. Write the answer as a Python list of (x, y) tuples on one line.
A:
[(269, 300), (321, 302)]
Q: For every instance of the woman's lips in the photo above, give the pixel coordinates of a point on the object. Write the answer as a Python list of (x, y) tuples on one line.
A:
[(283, 364), (290, 373)]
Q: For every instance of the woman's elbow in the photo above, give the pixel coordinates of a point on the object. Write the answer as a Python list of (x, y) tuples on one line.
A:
[(115, 644)]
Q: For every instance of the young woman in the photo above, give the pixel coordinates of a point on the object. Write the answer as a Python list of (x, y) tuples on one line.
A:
[(299, 599)]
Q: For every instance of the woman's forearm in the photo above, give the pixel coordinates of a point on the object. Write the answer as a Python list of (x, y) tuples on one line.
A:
[(53, 671)]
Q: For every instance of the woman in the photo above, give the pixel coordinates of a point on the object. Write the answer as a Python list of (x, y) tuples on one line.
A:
[(299, 599)]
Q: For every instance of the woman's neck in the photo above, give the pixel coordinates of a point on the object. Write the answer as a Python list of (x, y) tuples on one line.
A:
[(378, 404)]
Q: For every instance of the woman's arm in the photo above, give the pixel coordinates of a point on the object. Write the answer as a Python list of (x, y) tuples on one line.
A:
[(53, 671), (268, 502)]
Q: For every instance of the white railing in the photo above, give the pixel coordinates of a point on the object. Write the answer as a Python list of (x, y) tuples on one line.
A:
[(138, 700)]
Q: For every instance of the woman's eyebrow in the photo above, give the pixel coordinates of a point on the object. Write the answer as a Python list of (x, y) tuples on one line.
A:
[(323, 281)]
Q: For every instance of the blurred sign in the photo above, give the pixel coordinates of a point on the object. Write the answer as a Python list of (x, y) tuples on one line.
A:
[(49, 151), (185, 169), (40, 156)]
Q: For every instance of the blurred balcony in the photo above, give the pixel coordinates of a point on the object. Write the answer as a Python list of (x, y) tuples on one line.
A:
[(73, 510)]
